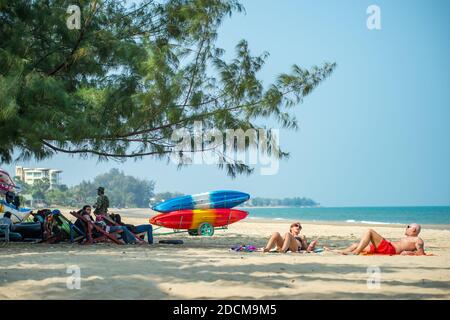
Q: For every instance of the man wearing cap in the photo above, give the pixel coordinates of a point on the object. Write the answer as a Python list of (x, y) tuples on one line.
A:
[(102, 203)]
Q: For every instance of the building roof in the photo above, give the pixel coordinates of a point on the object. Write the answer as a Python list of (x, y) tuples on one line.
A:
[(38, 169)]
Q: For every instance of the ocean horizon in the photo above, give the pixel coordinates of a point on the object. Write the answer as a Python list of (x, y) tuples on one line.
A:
[(364, 215)]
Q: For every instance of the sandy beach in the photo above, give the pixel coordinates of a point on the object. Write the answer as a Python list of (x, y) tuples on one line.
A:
[(204, 268)]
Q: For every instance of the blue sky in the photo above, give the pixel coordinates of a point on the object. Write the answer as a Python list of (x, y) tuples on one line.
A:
[(375, 133)]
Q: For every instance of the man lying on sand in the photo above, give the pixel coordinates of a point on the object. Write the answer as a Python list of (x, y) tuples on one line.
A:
[(372, 242), (292, 241)]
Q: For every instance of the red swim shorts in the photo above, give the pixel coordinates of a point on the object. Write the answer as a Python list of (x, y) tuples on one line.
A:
[(385, 247)]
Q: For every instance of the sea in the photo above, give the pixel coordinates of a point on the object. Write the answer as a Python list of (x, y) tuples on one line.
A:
[(364, 215)]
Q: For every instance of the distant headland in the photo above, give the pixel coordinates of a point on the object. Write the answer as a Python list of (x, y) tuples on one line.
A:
[(284, 202)]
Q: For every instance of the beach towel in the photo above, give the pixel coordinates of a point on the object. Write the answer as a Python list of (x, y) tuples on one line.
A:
[(243, 248), (317, 250), (382, 254)]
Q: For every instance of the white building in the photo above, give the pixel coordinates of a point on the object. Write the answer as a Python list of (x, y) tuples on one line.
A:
[(30, 175)]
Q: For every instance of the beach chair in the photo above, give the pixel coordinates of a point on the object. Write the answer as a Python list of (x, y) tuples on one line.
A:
[(74, 233), (100, 235), (51, 232), (58, 228), (139, 236)]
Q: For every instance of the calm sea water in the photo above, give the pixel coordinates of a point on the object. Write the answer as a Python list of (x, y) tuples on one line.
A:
[(396, 215)]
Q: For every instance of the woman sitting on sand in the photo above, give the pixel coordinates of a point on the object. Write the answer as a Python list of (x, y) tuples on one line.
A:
[(292, 241)]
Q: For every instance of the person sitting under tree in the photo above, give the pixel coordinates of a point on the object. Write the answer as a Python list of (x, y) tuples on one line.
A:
[(6, 220)]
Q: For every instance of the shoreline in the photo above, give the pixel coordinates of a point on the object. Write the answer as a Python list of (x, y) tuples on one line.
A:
[(346, 223)]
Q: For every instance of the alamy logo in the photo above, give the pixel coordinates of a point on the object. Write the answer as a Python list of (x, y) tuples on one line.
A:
[(74, 280), (374, 18), (212, 147), (74, 20), (373, 277)]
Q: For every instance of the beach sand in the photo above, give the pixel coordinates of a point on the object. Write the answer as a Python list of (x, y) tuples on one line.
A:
[(204, 268)]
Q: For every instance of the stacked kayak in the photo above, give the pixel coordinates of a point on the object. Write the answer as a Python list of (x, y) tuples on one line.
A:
[(222, 199), (7, 186), (201, 213), (6, 183)]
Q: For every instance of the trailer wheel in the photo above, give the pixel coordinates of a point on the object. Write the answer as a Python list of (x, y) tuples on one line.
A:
[(205, 229), (193, 232)]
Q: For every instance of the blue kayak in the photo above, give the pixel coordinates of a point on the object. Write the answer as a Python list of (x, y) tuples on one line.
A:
[(18, 214), (221, 199)]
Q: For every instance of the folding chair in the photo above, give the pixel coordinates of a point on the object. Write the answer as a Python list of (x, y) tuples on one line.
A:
[(66, 230), (138, 236), (102, 235), (74, 233)]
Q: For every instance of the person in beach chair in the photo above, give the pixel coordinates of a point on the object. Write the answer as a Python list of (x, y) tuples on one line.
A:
[(85, 213), (7, 222), (139, 231), (373, 243), (56, 228), (292, 241), (97, 229)]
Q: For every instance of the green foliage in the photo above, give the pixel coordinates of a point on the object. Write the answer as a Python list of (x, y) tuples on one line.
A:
[(40, 188), (119, 86), (123, 190), (57, 196), (288, 202)]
